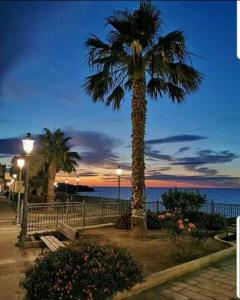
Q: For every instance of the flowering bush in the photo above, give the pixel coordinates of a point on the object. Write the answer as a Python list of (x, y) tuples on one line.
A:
[(182, 201), (185, 238), (153, 219), (81, 272)]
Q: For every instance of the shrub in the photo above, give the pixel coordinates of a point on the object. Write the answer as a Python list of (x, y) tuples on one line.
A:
[(211, 222), (124, 221), (182, 201), (215, 222), (85, 271), (153, 220), (186, 238)]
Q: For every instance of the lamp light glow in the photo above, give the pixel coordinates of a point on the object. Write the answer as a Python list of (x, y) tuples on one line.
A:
[(20, 163), (28, 142), (119, 171)]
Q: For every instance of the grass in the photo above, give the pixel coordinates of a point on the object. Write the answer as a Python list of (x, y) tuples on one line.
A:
[(153, 253)]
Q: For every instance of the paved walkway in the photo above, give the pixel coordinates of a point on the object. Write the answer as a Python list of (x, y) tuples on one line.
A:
[(217, 281), (13, 260)]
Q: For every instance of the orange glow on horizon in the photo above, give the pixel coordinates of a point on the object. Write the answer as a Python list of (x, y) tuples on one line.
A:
[(99, 182)]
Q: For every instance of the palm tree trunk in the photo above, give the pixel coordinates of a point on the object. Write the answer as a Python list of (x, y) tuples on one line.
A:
[(51, 179), (138, 164)]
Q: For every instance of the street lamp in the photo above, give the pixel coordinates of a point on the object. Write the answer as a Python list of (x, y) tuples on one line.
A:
[(20, 163), (28, 143), (77, 181), (119, 173), (14, 181), (66, 184)]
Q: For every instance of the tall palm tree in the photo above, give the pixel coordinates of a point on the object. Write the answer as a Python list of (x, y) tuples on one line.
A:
[(56, 149), (136, 58)]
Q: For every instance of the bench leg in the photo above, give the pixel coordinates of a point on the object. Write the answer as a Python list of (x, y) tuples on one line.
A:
[(42, 249)]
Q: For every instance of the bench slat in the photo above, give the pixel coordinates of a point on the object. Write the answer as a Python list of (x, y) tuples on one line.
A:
[(51, 242), (67, 230)]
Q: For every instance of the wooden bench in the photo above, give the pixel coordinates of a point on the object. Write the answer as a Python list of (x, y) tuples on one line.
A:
[(51, 242), (231, 229), (67, 231)]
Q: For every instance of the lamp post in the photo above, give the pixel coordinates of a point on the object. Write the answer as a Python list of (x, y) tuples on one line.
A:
[(66, 185), (119, 173), (12, 184), (8, 185), (20, 163), (13, 192), (27, 147), (77, 181)]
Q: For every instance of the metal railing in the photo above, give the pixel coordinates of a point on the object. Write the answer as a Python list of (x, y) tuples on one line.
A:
[(44, 216), (224, 209)]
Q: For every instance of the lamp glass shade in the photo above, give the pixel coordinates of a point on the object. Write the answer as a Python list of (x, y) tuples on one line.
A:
[(66, 181), (14, 176), (119, 171), (28, 144), (20, 162)]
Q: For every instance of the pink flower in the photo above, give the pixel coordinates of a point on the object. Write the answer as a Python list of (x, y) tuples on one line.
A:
[(191, 225), (162, 216), (180, 221), (181, 226)]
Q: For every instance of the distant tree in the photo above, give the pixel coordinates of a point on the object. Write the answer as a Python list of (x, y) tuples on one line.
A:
[(58, 156), (136, 58)]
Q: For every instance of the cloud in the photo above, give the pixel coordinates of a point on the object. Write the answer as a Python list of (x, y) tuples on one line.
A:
[(156, 155), (96, 148), (221, 180), (176, 139), (203, 170), (10, 146), (89, 174), (183, 149), (207, 157)]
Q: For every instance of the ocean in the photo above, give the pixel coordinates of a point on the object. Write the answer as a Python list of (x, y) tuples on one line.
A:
[(229, 196)]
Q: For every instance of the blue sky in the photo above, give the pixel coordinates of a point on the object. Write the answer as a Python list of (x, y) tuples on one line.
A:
[(43, 65)]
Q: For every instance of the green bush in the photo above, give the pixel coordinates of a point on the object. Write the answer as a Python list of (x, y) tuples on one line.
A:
[(124, 221), (153, 220), (86, 271), (215, 222), (211, 222), (182, 201)]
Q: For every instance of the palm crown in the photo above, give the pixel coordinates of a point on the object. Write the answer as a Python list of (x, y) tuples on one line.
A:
[(54, 146), (132, 46)]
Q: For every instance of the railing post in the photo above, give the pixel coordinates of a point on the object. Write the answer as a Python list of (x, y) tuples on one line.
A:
[(102, 213), (84, 213), (212, 207), (67, 208), (157, 206)]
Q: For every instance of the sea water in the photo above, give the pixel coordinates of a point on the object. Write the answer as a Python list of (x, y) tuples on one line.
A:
[(218, 195)]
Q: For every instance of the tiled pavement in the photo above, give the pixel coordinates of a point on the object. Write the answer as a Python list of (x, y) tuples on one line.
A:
[(217, 281)]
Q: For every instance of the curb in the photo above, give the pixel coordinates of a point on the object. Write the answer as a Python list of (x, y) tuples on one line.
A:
[(174, 272)]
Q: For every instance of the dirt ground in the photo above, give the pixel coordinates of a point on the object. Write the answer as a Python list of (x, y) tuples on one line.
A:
[(153, 252)]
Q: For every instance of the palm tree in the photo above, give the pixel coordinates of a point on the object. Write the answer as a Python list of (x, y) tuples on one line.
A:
[(136, 58), (55, 147)]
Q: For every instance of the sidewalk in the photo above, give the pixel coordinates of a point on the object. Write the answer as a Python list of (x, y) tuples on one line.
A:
[(7, 214), (217, 281), (13, 260)]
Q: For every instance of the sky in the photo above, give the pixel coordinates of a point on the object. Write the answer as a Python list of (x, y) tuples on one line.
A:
[(42, 69)]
